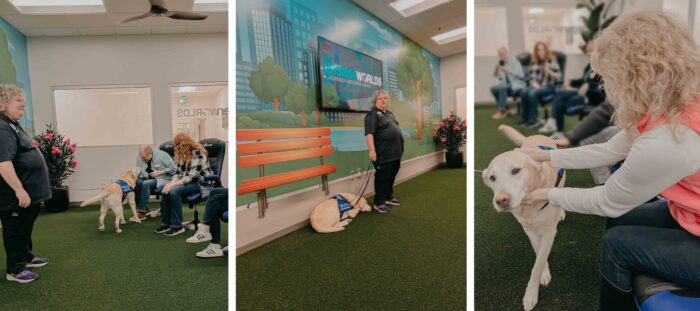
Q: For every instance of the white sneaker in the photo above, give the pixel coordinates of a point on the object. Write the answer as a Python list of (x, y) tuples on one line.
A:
[(199, 236), (213, 250), (155, 213), (225, 250), (549, 126)]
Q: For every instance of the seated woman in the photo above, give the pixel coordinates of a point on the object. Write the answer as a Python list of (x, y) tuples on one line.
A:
[(192, 166), (544, 72), (575, 93), (210, 228), (651, 66)]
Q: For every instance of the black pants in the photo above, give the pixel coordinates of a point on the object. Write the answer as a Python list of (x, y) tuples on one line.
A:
[(17, 226), (599, 118), (384, 180)]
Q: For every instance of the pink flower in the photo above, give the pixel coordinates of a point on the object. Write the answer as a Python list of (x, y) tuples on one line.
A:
[(464, 121), (444, 139), (442, 124), (48, 136), (456, 127), (75, 163), (73, 149), (68, 141), (434, 134), (36, 143), (452, 118), (55, 150)]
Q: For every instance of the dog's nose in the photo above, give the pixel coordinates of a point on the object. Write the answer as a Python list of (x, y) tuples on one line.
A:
[(503, 200)]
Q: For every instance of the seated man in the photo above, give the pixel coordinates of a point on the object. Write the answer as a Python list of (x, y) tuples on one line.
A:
[(210, 228), (510, 74), (157, 168)]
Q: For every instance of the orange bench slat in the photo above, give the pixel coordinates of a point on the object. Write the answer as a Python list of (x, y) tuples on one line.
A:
[(276, 157), (268, 146), (262, 134), (256, 184)]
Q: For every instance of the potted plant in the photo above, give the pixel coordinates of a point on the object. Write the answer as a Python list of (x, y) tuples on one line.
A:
[(59, 154), (451, 134)]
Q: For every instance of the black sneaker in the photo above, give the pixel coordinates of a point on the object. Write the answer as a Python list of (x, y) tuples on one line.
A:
[(174, 231), (162, 229)]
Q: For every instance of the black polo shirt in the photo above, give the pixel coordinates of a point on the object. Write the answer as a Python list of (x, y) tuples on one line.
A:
[(388, 139), (16, 146)]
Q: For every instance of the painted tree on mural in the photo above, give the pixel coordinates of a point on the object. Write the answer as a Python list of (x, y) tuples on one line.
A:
[(415, 79), (269, 83), (300, 100), (329, 96), (8, 73)]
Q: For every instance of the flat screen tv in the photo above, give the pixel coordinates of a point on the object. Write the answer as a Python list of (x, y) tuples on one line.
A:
[(352, 75)]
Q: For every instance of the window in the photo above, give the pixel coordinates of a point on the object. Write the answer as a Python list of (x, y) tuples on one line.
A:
[(558, 27), (105, 117), (200, 111), (493, 30)]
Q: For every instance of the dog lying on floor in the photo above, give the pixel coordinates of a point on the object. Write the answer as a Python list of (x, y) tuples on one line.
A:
[(511, 175), (113, 196), (329, 216)]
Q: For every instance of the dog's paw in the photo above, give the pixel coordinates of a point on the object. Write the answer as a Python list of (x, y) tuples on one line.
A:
[(530, 298), (546, 276), (101, 229), (122, 222), (119, 230)]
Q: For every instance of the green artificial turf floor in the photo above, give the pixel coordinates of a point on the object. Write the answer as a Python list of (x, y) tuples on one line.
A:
[(413, 258), (134, 270), (503, 256)]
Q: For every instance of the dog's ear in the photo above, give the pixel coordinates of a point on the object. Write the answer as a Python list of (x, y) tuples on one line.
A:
[(537, 174), (485, 176)]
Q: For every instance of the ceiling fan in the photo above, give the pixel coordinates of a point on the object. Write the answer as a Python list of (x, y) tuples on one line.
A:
[(158, 9)]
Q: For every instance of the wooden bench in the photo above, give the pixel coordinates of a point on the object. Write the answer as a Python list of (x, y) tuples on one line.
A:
[(259, 147)]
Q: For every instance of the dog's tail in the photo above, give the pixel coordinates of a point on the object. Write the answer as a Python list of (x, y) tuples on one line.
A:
[(94, 199), (512, 134)]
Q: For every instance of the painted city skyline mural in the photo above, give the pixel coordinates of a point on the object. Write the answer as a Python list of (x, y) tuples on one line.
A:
[(14, 68), (278, 83)]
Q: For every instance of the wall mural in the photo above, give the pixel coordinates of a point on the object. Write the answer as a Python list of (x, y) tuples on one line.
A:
[(14, 68), (277, 80)]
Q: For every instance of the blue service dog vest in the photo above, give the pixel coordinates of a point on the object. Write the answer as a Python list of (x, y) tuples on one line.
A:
[(343, 205), (125, 188)]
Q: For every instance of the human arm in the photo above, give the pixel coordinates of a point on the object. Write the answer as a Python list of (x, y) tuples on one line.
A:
[(7, 171), (610, 152), (370, 130), (370, 145)]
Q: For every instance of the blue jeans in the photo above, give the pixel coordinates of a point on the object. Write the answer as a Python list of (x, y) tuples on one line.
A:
[(562, 101), (501, 92), (143, 192), (530, 99), (217, 203), (648, 240), (171, 204)]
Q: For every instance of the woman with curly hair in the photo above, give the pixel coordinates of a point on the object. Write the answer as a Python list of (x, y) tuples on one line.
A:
[(192, 166), (544, 72), (651, 68)]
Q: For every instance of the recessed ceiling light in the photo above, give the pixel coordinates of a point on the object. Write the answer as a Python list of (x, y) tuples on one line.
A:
[(210, 6), (410, 7), (450, 36), (187, 89), (535, 11), (49, 7)]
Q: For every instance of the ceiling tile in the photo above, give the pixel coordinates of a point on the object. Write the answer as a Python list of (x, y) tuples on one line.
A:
[(7, 8), (36, 21)]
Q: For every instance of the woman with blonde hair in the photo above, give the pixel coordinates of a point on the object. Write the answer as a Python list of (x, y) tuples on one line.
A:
[(544, 72), (651, 69), (192, 166)]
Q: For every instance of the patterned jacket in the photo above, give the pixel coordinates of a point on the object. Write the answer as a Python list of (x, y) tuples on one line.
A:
[(195, 170)]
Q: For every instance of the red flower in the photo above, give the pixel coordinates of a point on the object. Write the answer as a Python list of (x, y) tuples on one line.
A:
[(442, 124), (36, 143), (434, 134), (452, 119), (68, 141), (464, 121), (444, 139), (75, 163), (456, 127), (48, 136), (55, 150), (73, 149)]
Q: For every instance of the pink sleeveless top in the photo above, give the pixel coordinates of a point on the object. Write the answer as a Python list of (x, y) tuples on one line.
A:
[(684, 196)]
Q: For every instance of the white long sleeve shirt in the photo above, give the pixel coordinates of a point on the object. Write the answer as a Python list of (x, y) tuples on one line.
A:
[(654, 161)]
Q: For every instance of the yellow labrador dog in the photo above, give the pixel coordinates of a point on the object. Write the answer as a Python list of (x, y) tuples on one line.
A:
[(113, 196), (511, 175), (326, 217)]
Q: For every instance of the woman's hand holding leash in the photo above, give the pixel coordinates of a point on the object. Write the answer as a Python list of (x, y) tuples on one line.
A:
[(372, 155)]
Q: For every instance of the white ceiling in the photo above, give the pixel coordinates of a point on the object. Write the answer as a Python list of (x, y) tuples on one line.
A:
[(110, 23), (422, 26)]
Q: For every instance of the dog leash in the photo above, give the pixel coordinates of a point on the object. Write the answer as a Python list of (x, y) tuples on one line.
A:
[(560, 174), (363, 187)]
